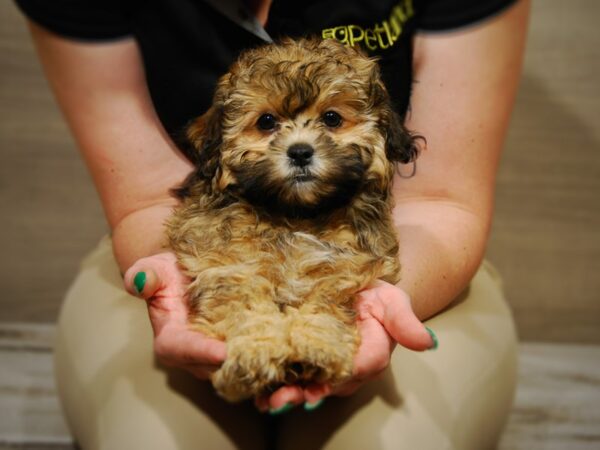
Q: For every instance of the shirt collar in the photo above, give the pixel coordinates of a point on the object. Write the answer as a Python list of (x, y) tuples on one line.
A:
[(236, 11)]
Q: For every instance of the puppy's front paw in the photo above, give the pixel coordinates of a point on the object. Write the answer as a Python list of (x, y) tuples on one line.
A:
[(323, 349), (255, 363)]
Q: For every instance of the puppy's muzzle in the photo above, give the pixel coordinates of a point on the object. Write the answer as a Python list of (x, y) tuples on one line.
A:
[(300, 154)]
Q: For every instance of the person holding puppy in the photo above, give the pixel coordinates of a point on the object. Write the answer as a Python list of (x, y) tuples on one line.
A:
[(128, 77)]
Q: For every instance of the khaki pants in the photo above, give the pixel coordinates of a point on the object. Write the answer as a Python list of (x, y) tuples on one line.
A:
[(116, 397)]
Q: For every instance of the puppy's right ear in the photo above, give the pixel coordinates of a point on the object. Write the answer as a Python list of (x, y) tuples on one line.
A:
[(202, 141), (201, 144)]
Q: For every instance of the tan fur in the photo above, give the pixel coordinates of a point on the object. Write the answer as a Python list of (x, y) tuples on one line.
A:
[(276, 261)]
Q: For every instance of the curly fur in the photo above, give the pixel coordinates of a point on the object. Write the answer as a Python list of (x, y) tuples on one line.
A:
[(277, 252)]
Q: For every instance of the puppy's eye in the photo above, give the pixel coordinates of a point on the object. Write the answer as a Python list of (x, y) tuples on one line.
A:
[(266, 122), (332, 119)]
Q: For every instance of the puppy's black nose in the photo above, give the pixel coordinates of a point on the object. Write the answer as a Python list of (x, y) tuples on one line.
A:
[(300, 154)]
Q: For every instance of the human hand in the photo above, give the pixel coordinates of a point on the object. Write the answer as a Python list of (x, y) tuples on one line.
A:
[(384, 318), (158, 280)]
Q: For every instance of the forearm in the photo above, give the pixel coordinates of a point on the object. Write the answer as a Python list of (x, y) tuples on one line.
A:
[(441, 247), (461, 104), (102, 91), (140, 234)]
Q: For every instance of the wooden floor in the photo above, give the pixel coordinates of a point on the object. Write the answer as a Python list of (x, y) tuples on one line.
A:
[(29, 411), (557, 405), (558, 399)]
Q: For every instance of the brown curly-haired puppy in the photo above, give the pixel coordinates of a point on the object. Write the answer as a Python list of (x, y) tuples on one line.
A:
[(287, 215)]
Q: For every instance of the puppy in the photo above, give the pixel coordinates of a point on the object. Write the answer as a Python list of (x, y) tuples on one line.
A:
[(287, 214)]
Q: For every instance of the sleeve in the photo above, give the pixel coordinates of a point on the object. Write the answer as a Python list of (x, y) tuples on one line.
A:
[(93, 20), (439, 15)]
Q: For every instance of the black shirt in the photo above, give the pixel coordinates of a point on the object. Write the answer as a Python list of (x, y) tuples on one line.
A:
[(187, 44)]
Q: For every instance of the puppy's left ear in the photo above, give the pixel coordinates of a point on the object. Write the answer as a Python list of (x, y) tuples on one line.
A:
[(400, 144)]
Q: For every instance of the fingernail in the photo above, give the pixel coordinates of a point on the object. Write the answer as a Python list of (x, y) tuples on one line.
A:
[(139, 281), (282, 409), (313, 406), (433, 338)]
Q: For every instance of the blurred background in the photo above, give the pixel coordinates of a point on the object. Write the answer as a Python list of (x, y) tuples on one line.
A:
[(546, 233)]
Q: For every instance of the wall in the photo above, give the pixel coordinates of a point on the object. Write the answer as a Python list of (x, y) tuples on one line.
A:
[(51, 216), (546, 235)]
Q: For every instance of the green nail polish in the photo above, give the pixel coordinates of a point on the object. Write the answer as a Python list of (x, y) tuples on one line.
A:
[(282, 409), (313, 406), (139, 281), (434, 338)]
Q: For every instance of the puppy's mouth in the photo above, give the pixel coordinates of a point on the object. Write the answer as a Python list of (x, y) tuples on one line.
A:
[(302, 176)]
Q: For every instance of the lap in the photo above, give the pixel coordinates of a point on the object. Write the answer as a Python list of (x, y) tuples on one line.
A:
[(456, 397), (116, 396)]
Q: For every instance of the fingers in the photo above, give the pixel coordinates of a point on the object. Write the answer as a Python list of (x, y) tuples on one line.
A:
[(159, 280), (392, 308), (288, 397), (374, 352), (190, 350), (179, 346), (155, 273), (315, 393), (281, 401), (141, 282)]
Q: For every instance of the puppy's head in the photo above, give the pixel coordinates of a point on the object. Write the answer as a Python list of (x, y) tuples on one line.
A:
[(299, 128)]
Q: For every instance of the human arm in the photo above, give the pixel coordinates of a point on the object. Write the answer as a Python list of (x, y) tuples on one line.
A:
[(102, 92), (466, 82)]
